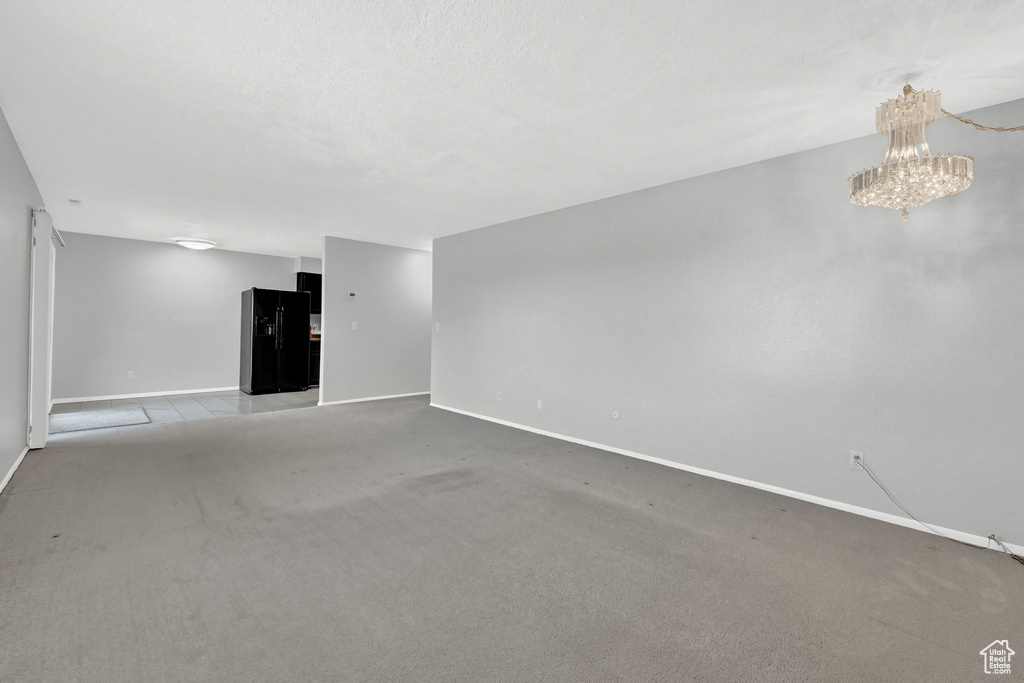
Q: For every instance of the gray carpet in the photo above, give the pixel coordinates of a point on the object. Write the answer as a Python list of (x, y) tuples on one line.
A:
[(97, 419), (390, 541)]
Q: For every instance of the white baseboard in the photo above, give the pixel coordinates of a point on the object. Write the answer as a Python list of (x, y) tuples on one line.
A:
[(372, 398), (147, 394), (3, 484), (827, 502)]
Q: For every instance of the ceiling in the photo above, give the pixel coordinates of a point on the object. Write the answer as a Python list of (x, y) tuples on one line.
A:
[(265, 124)]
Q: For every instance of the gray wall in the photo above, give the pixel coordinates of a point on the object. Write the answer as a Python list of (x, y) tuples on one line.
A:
[(389, 352), (755, 323), (171, 315), (18, 196)]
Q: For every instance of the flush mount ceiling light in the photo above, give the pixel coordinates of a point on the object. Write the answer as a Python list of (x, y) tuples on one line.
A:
[(194, 243), (911, 175)]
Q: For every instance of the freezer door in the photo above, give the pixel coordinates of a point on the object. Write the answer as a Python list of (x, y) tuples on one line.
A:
[(293, 351), (265, 372)]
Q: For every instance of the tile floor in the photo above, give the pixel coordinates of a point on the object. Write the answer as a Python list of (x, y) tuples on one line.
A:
[(185, 407)]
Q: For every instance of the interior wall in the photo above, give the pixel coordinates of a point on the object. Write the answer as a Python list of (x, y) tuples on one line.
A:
[(170, 315), (18, 196), (376, 343), (308, 264), (756, 324)]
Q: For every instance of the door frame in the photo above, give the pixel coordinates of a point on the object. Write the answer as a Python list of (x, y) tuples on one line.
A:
[(42, 271)]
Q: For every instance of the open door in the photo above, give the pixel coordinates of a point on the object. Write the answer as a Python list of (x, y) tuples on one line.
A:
[(44, 256)]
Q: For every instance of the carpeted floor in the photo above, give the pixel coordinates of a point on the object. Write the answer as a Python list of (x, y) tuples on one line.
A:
[(390, 541)]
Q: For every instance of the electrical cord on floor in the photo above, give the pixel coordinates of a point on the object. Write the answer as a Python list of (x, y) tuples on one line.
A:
[(987, 546)]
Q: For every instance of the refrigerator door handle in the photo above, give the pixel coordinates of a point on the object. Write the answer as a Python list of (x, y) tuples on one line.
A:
[(278, 322)]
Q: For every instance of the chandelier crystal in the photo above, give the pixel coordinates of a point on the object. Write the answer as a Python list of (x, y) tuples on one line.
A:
[(910, 175)]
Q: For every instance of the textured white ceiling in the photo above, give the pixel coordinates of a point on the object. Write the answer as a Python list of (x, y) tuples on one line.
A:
[(265, 124)]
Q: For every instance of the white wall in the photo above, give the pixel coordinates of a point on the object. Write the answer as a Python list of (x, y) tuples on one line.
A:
[(18, 196), (389, 352), (171, 315), (308, 264), (755, 323)]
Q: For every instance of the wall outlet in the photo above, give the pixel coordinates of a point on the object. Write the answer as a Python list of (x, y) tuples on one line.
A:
[(499, 395), (131, 374), (355, 326), (437, 327), (540, 404), (856, 460)]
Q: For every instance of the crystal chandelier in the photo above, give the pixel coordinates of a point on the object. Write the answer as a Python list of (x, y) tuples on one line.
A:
[(910, 175)]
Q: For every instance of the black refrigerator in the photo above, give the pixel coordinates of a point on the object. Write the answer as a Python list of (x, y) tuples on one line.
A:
[(275, 341)]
